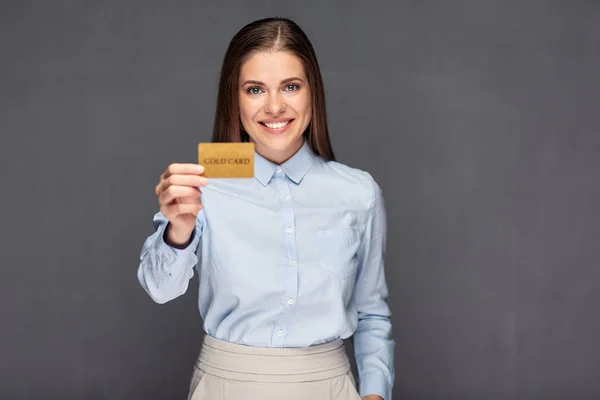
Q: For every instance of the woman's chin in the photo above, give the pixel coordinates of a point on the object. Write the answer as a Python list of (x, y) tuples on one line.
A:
[(283, 144)]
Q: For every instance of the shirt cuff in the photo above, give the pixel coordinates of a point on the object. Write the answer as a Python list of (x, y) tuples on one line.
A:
[(375, 383)]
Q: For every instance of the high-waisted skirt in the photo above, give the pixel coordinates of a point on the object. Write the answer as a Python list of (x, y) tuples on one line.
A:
[(227, 371)]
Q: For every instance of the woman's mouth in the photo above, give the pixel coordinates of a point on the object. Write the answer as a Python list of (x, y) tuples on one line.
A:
[(276, 127)]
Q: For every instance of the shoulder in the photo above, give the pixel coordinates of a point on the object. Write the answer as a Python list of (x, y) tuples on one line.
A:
[(359, 182)]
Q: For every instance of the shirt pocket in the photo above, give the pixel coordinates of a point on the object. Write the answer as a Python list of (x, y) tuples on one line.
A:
[(337, 251)]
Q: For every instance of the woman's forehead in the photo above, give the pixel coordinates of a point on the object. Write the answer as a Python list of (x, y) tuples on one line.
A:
[(271, 67)]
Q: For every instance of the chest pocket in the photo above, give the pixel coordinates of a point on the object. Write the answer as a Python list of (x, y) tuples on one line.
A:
[(337, 251)]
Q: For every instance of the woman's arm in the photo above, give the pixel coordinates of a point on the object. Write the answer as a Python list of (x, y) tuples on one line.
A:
[(164, 270), (373, 342)]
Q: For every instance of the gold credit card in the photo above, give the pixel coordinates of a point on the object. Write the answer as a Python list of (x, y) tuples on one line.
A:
[(227, 160)]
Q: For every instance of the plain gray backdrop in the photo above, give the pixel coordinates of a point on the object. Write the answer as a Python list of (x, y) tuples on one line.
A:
[(479, 119)]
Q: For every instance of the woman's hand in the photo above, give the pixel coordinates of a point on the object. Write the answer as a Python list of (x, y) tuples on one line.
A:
[(178, 195)]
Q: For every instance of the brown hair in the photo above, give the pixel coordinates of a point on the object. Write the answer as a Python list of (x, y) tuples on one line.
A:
[(270, 34)]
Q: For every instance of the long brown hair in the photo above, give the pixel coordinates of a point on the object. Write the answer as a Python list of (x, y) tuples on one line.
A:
[(270, 34)]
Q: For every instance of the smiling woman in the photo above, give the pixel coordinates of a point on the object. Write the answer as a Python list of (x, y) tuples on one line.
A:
[(291, 261), (274, 103), (269, 66)]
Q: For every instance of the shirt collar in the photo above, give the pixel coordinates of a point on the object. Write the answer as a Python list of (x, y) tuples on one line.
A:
[(295, 168)]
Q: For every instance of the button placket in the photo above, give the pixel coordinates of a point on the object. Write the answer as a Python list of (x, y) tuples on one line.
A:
[(282, 185)]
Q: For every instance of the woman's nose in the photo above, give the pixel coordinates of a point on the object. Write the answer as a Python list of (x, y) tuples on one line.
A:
[(275, 104)]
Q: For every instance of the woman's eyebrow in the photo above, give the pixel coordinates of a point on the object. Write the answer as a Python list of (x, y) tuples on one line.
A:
[(253, 82)]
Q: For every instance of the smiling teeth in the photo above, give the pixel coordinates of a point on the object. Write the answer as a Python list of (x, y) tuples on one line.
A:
[(277, 125)]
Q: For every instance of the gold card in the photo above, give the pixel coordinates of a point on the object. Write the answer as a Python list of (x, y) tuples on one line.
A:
[(227, 160)]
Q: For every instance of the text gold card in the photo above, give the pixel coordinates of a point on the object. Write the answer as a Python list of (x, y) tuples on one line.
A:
[(227, 160)]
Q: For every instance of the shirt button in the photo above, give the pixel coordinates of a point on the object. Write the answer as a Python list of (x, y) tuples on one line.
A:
[(290, 302), (289, 230), (286, 198), (280, 333), (293, 263), (278, 170)]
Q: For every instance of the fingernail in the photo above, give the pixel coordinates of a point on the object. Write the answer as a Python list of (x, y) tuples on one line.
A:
[(200, 168)]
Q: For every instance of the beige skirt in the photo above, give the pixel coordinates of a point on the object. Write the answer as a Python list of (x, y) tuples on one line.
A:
[(226, 371)]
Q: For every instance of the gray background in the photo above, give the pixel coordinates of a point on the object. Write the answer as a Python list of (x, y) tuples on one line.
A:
[(479, 119)]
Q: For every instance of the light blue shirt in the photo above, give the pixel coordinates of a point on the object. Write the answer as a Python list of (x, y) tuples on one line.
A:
[(290, 258)]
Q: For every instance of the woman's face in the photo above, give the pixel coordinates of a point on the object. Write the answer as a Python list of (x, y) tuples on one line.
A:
[(274, 100)]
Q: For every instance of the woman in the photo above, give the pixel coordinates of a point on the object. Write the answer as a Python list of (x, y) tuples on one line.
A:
[(290, 262)]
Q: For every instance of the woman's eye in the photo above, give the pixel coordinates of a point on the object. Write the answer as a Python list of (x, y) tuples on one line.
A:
[(254, 90), (291, 88)]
